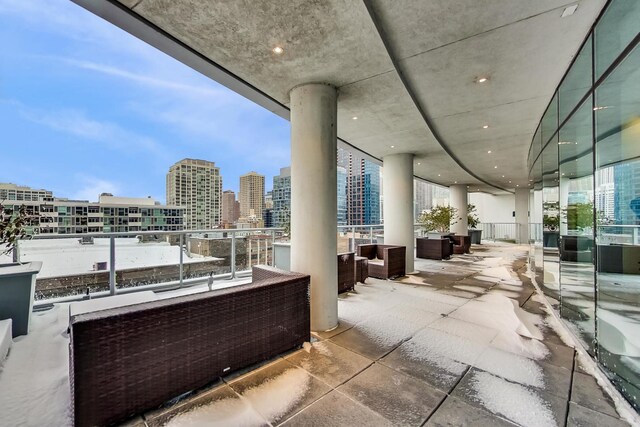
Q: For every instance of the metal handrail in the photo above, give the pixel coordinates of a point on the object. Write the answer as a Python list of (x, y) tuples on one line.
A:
[(113, 289)]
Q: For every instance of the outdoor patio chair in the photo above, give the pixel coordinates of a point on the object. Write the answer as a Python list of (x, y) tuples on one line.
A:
[(385, 261)]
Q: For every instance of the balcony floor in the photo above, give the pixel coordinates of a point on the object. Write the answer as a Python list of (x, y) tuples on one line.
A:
[(463, 342)]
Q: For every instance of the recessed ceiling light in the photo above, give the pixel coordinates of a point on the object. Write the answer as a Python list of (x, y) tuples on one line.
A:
[(455, 182), (509, 182), (569, 10), (481, 79), (393, 146), (354, 117), (419, 163), (503, 176), (495, 167), (438, 174), (278, 50), (562, 174), (489, 152), (517, 185), (485, 127)]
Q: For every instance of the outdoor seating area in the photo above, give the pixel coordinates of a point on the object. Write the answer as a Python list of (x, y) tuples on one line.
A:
[(464, 342)]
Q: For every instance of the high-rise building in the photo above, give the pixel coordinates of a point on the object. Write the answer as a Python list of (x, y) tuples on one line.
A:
[(363, 188), (268, 200), (10, 192), (282, 197), (342, 195), (196, 185), (422, 197), (251, 195), (229, 207), (627, 192)]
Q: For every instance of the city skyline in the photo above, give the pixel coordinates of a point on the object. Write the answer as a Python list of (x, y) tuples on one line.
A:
[(103, 111)]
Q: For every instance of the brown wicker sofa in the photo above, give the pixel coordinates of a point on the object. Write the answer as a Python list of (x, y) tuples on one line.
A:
[(346, 272), (390, 261), (127, 360)]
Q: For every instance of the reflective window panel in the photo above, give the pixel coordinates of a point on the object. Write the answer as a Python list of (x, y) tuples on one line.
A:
[(617, 185), (577, 252)]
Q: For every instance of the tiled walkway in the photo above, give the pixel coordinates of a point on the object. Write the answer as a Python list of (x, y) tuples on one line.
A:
[(463, 342)]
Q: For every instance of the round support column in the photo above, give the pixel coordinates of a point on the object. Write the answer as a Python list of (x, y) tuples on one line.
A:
[(314, 200), (397, 187), (458, 200), (522, 215)]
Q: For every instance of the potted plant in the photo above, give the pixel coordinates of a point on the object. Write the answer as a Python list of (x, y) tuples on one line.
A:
[(472, 221), (17, 281), (437, 221)]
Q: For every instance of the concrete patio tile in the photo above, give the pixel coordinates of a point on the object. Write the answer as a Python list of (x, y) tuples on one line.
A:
[(380, 334), (401, 399), (426, 371), (343, 325), (220, 406), (526, 406), (435, 357), (337, 410), (455, 412), (460, 328), (579, 416), (586, 392), (559, 355), (279, 390), (459, 293), (512, 367), (329, 362)]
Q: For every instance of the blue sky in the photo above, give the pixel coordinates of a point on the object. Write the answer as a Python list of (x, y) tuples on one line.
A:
[(86, 108)]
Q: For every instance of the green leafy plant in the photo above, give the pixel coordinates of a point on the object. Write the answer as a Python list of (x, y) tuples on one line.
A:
[(579, 216), (472, 217), (439, 218), (13, 227), (551, 222)]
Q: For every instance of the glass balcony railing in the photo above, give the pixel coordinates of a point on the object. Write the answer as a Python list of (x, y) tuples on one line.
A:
[(76, 266)]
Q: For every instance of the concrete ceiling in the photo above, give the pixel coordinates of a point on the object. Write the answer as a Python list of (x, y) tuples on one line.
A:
[(440, 47)]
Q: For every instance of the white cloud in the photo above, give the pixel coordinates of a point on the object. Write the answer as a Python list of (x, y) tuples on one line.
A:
[(89, 188), (76, 123)]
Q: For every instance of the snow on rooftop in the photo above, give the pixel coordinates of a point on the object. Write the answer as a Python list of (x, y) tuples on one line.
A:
[(61, 257)]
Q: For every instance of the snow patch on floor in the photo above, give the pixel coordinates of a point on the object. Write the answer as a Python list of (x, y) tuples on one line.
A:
[(278, 395), (35, 376), (513, 401), (221, 413), (447, 352)]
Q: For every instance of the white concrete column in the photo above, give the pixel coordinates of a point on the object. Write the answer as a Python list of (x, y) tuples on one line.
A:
[(458, 200), (522, 214), (314, 200), (397, 187)]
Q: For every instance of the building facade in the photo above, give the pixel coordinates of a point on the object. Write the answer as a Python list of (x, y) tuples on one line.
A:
[(362, 188), (10, 192), (109, 215), (281, 197), (197, 186), (251, 195), (229, 210)]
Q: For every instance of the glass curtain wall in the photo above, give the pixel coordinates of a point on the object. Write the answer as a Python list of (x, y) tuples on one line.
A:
[(585, 187)]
